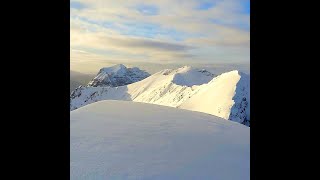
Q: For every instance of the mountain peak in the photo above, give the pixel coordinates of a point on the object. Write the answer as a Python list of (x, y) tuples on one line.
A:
[(119, 66), (117, 75), (113, 69), (188, 76)]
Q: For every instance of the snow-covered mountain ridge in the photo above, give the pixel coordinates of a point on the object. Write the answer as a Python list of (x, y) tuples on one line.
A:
[(226, 95)]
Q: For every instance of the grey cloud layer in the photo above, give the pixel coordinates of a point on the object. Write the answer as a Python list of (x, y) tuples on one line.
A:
[(149, 44)]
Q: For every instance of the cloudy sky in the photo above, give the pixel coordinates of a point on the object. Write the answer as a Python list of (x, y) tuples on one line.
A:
[(158, 31)]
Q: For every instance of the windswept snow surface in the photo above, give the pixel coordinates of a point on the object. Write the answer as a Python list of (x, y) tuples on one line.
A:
[(160, 143), (226, 96)]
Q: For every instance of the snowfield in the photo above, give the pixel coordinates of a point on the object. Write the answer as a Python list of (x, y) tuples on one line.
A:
[(130, 140), (226, 96)]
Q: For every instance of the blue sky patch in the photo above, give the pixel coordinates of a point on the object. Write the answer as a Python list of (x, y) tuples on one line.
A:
[(148, 10), (205, 5), (246, 7), (77, 5), (239, 25)]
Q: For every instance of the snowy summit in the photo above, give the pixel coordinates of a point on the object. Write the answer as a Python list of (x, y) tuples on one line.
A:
[(161, 143), (117, 75)]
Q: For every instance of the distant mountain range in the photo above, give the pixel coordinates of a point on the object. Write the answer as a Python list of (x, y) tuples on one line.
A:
[(226, 95)]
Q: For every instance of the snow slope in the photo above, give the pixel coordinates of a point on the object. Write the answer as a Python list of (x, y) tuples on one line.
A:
[(160, 143), (169, 87), (226, 95)]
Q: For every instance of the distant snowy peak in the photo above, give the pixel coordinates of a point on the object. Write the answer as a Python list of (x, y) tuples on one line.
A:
[(117, 75), (119, 68)]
